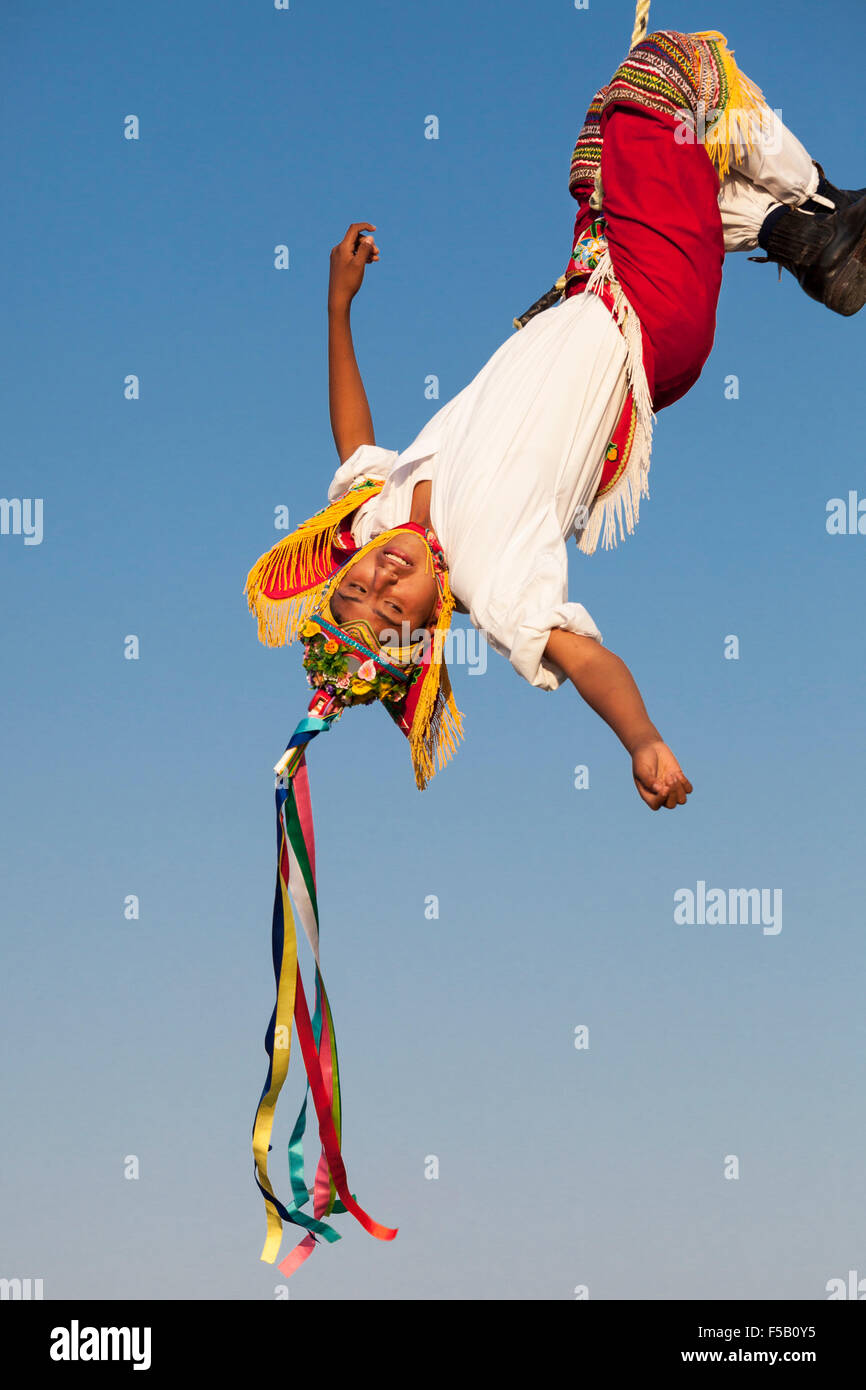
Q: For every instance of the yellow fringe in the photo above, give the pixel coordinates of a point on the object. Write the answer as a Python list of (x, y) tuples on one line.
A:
[(287, 563), (733, 131), (437, 727)]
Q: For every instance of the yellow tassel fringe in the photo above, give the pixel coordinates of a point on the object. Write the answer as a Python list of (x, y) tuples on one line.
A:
[(295, 557), (733, 133), (437, 727)]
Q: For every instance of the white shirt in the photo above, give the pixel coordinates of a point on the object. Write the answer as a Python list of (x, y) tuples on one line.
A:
[(511, 459)]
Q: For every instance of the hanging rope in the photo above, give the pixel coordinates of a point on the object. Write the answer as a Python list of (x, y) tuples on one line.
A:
[(641, 21)]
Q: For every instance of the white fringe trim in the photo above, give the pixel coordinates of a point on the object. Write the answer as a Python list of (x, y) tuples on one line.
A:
[(622, 503)]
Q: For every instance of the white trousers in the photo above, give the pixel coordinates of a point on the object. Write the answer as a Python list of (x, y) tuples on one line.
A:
[(779, 169)]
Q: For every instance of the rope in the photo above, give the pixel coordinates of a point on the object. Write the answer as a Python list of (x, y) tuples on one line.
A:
[(641, 21)]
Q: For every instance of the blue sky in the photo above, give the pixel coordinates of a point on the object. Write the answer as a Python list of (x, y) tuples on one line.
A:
[(601, 1167)]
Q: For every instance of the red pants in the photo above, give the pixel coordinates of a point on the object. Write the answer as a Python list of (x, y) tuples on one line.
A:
[(664, 230)]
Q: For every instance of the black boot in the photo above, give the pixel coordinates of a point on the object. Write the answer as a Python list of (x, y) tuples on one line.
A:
[(825, 251), (839, 197)]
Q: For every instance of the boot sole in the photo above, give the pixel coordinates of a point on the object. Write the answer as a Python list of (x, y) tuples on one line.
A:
[(849, 292), (846, 292)]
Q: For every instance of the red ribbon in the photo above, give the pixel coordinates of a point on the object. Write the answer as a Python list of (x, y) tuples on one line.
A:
[(327, 1132)]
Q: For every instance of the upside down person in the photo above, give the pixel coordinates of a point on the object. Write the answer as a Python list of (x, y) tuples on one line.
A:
[(680, 160)]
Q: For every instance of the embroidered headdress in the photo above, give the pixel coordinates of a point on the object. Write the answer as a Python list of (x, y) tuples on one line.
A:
[(290, 589)]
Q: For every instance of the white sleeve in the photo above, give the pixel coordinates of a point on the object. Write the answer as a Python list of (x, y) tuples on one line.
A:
[(524, 598), (368, 461)]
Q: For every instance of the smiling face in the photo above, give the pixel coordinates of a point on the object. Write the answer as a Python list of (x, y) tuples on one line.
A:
[(392, 584)]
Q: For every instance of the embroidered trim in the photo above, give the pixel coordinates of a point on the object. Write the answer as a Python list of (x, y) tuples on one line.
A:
[(625, 471), (676, 74)]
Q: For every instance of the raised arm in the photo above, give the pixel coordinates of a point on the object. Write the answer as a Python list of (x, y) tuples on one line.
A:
[(351, 422), (608, 687)]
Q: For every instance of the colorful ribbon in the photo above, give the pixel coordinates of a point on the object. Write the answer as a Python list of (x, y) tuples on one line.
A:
[(296, 876)]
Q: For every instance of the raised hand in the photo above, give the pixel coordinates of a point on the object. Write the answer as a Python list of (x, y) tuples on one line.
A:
[(349, 259)]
